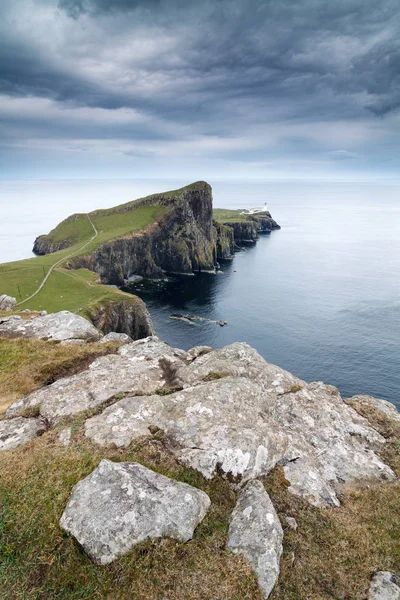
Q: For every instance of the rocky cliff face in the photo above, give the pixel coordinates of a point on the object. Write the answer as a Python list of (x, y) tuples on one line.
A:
[(247, 231), (183, 241), (225, 241), (127, 316)]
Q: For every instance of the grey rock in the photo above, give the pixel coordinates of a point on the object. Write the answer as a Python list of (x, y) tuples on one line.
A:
[(387, 409), (59, 326), (137, 372), (291, 523), (213, 426), (122, 504), (64, 437), (116, 337), (384, 586), (256, 533), (18, 431), (43, 313), (7, 302)]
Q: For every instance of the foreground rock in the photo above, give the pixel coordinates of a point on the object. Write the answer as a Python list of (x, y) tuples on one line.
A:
[(7, 302), (226, 411), (256, 533), (59, 326), (384, 586), (106, 377), (18, 431), (122, 504)]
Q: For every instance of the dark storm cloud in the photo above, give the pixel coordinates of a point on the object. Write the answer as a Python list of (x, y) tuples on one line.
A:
[(224, 68)]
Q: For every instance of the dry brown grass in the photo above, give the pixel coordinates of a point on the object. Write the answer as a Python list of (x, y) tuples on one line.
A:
[(26, 365)]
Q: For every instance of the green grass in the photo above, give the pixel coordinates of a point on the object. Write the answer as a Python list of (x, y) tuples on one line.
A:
[(76, 229), (223, 215)]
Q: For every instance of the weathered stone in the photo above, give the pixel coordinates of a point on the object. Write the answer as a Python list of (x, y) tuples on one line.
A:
[(64, 437), (7, 302), (385, 408), (122, 504), (18, 431), (113, 336), (213, 426), (291, 523), (106, 376), (129, 316), (256, 533), (135, 370), (59, 326), (384, 586)]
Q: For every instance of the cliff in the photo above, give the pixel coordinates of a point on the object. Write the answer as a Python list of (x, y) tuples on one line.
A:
[(128, 316)]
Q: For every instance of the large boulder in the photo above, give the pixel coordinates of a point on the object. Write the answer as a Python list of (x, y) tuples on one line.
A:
[(384, 586), (122, 504), (7, 302), (18, 431), (256, 533), (113, 336), (368, 405), (59, 326)]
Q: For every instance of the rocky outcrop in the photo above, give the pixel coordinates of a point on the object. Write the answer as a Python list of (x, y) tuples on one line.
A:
[(61, 326), (183, 240), (122, 504), (384, 586), (366, 404), (129, 316), (247, 229), (256, 533), (47, 244), (7, 302), (225, 411), (18, 431)]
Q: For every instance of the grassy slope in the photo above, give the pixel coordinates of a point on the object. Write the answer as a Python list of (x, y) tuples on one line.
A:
[(331, 555), (72, 290), (224, 215)]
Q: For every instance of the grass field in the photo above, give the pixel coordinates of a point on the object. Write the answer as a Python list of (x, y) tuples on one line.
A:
[(223, 215)]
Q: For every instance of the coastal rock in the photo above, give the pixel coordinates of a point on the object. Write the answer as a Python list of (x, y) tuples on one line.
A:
[(64, 437), (384, 586), (211, 427), (122, 504), (129, 316), (7, 302), (225, 240), (135, 370), (256, 533), (113, 336), (59, 326), (18, 431), (365, 404)]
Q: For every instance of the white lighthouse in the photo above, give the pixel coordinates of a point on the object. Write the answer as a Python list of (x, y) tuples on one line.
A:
[(254, 211)]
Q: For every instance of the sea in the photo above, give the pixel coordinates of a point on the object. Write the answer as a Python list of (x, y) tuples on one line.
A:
[(320, 297)]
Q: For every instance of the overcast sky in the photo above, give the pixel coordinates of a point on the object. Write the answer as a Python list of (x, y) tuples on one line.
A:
[(198, 89)]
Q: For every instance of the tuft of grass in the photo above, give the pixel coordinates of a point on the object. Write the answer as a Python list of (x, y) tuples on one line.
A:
[(213, 375), (27, 364)]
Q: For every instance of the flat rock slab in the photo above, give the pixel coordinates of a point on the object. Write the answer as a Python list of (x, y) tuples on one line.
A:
[(18, 431), (384, 586), (122, 504), (106, 376), (215, 426), (256, 533), (59, 326)]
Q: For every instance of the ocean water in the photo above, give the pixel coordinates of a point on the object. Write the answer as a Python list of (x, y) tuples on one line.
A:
[(320, 297)]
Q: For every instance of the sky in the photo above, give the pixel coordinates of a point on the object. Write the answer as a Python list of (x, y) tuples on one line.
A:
[(263, 89)]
